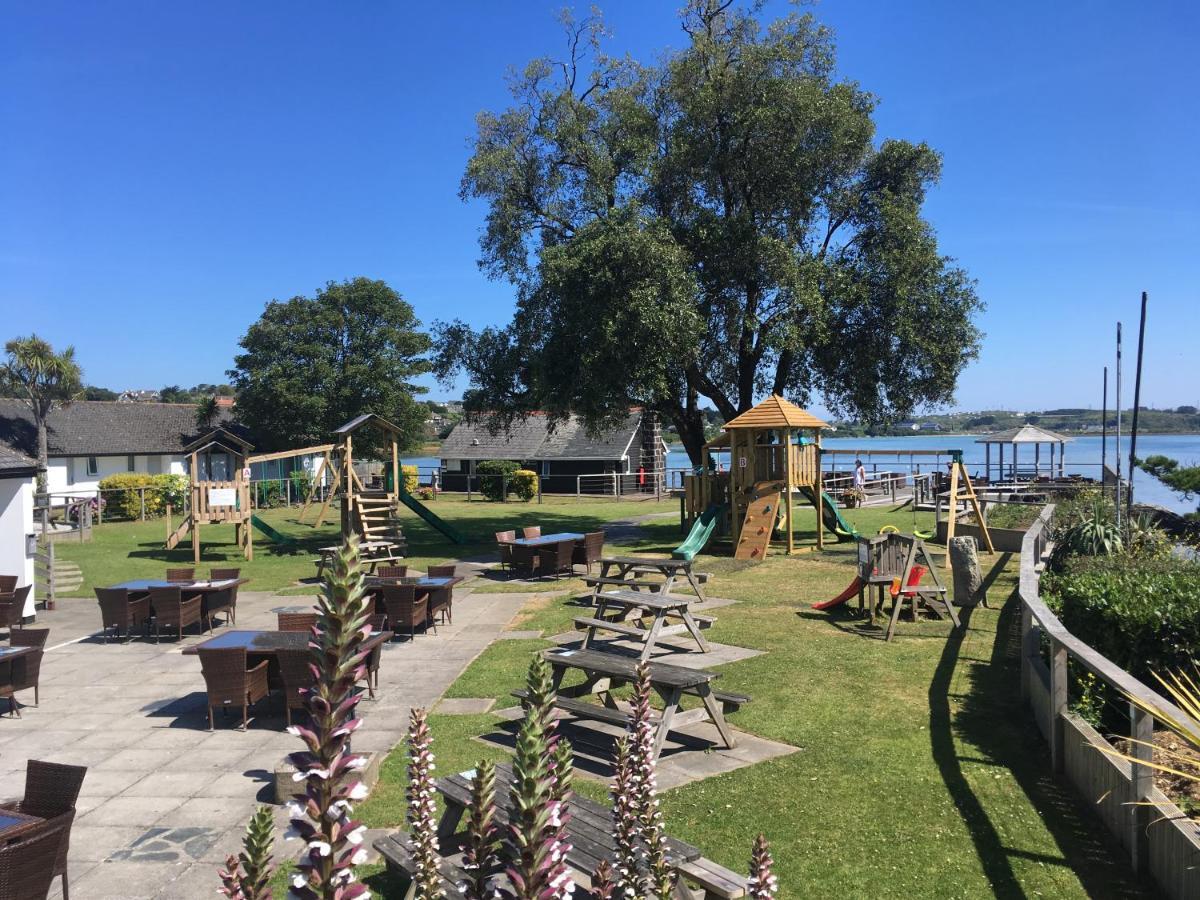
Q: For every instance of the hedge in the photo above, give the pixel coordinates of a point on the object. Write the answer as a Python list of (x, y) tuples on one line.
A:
[(495, 476), (524, 484), (123, 496)]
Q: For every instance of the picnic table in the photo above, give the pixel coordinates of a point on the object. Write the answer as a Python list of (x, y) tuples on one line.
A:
[(623, 572), (589, 832), (371, 553), (605, 672), (627, 612)]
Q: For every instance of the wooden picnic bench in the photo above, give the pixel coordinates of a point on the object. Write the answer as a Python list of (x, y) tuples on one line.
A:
[(624, 572), (605, 672), (371, 553), (589, 832), (628, 610)]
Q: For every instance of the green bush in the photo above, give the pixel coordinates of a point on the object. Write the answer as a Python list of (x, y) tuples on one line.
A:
[(122, 494), (1143, 614), (301, 484), (524, 484), (412, 479), (268, 494), (496, 478)]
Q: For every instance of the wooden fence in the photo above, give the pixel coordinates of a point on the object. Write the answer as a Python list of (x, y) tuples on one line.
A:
[(1162, 842), (43, 574)]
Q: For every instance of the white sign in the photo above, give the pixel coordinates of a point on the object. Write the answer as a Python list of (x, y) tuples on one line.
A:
[(222, 496), (741, 462), (246, 474), (308, 463)]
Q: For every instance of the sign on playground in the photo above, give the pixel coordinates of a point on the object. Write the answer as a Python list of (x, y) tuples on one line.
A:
[(222, 496), (741, 462)]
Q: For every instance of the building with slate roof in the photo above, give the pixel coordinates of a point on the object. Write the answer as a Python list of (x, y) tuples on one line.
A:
[(91, 439), (17, 480), (634, 449)]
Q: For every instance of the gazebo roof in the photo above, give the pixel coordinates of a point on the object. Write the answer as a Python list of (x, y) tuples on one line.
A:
[(1025, 434), (775, 412)]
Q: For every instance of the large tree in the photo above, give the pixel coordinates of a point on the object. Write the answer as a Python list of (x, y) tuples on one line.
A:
[(46, 381), (312, 363), (715, 226)]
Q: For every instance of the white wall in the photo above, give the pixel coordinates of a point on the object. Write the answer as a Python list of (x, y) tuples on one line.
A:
[(68, 475), (16, 521)]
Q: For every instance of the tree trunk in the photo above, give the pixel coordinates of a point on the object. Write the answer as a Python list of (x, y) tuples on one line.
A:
[(42, 456)]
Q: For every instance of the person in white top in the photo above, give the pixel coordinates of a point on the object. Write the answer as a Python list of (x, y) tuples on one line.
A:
[(860, 475)]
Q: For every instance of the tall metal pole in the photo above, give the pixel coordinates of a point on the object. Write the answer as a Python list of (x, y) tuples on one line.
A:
[(1137, 398), (1104, 429), (1118, 466)]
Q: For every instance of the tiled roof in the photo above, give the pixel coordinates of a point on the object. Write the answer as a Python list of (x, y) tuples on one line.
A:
[(531, 439), (13, 462), (1025, 434), (104, 428), (775, 412)]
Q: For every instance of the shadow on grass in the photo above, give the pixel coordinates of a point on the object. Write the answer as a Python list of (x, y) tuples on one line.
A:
[(991, 718)]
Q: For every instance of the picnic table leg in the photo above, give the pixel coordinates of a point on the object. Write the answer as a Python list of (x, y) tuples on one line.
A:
[(695, 583), (670, 704), (694, 629), (651, 637), (717, 713), (451, 816)]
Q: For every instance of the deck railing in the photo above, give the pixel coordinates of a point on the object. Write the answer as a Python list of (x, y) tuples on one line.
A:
[(1160, 839)]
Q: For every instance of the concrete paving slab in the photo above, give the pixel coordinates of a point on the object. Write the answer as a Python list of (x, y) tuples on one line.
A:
[(520, 635), (464, 706)]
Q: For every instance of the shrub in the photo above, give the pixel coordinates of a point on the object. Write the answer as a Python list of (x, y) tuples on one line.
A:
[(267, 493), (301, 484), (1143, 614), (496, 478), (524, 484), (1092, 533), (123, 500), (412, 479)]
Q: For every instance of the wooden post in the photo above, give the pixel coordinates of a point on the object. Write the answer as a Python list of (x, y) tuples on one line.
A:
[(789, 472), (1058, 702), (397, 485), (987, 461), (818, 490), (195, 495), (1002, 462), (951, 511), (1142, 782)]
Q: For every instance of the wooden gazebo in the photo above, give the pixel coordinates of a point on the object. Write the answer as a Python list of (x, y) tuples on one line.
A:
[(1014, 438), (211, 501)]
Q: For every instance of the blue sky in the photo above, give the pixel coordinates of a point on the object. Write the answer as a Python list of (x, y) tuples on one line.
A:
[(167, 168)]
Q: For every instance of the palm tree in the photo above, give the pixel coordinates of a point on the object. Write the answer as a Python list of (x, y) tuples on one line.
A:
[(46, 381), (207, 413)]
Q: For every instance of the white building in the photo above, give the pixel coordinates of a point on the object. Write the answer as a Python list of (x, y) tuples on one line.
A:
[(17, 480), (91, 439)]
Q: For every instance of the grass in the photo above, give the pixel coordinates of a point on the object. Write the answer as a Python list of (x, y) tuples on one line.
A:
[(917, 773)]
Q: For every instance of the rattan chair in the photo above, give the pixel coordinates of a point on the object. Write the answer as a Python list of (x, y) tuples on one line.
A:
[(29, 862), (295, 673), (51, 791), (525, 560), (224, 601), (181, 574), (8, 583), (442, 599), (391, 572), (504, 541), (229, 683), (12, 611), (172, 610), (589, 550), (404, 610), (556, 558), (119, 612), (378, 623), (531, 531), (27, 670), (297, 621)]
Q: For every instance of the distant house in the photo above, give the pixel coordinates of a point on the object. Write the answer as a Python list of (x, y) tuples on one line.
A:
[(138, 397), (634, 448), (17, 480), (91, 439)]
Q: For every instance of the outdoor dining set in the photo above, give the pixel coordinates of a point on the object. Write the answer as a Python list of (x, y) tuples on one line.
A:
[(534, 553), (21, 658)]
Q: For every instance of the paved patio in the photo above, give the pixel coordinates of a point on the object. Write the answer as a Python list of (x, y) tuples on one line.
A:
[(165, 801)]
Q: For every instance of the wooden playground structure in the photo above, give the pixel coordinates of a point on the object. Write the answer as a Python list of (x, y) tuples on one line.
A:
[(775, 452), (216, 502), (894, 564)]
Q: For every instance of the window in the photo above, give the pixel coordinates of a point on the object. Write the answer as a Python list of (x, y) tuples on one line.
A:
[(131, 463), (93, 466), (546, 468)]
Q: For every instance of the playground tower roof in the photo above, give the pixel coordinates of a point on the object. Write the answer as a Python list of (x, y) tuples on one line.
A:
[(775, 412)]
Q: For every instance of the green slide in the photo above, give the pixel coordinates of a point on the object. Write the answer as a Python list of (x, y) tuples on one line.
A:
[(832, 517), (432, 518), (282, 539), (701, 531)]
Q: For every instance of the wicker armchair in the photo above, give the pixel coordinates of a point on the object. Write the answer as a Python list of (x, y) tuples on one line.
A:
[(12, 611), (8, 584), (442, 599), (556, 558), (504, 540), (119, 612), (172, 610), (525, 560), (589, 550), (404, 610), (51, 790), (391, 572), (297, 621), (229, 682), (297, 676), (378, 623), (29, 862), (27, 670), (224, 601), (531, 531), (181, 574)]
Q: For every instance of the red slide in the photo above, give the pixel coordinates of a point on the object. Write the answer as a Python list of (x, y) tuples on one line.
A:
[(851, 591)]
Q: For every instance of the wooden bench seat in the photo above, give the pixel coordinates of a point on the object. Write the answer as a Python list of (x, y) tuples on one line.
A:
[(714, 880), (396, 850), (647, 601), (594, 580), (581, 624), (729, 701)]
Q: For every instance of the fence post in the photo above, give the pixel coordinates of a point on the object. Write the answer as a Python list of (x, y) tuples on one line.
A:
[(615, 494), (1058, 702), (539, 489), (578, 490), (99, 507), (287, 487), (142, 497), (1141, 779)]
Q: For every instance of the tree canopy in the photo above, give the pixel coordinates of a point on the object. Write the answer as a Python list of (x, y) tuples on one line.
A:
[(1184, 480), (45, 380), (311, 364), (712, 227)]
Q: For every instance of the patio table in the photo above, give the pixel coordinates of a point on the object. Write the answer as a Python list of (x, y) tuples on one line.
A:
[(546, 539), (13, 824), (625, 612), (269, 643), (206, 589)]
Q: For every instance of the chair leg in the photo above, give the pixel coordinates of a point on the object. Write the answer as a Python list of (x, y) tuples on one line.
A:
[(36, 700), (245, 716), (211, 724), (65, 892)]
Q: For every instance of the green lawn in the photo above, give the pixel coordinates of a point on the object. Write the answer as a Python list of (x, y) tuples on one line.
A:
[(918, 774)]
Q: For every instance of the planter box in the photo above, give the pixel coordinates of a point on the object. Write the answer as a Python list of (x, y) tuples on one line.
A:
[(1005, 540), (286, 787)]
